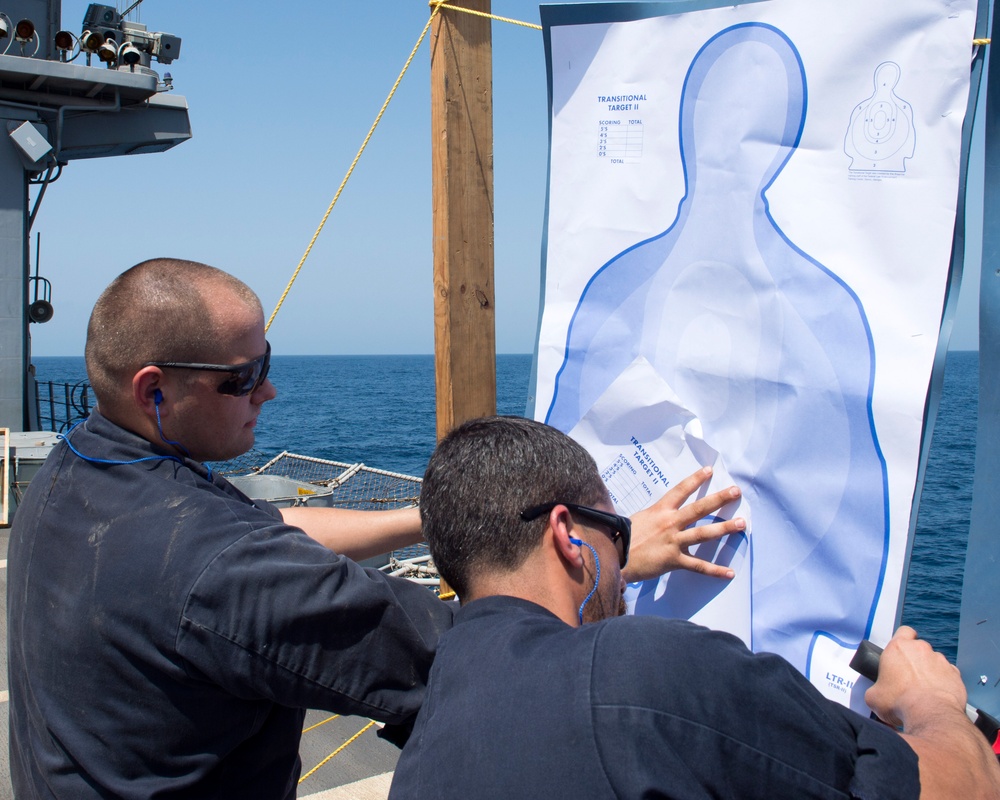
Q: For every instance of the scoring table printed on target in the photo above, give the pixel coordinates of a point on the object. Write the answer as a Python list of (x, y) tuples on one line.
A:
[(619, 140), (628, 488)]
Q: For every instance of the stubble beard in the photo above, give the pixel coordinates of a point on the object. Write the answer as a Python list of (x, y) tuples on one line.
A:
[(607, 602)]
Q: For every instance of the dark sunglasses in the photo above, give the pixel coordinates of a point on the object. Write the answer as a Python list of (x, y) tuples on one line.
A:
[(245, 377), (621, 527)]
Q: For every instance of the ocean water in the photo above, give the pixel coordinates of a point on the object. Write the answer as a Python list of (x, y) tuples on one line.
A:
[(934, 586), (379, 410)]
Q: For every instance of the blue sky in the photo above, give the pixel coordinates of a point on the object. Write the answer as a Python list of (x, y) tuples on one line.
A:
[(281, 96)]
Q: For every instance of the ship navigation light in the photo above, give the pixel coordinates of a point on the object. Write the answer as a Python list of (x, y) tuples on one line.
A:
[(64, 42), (91, 40), (129, 55), (108, 52), (24, 31)]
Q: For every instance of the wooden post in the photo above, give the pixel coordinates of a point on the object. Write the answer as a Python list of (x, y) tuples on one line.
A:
[(462, 171)]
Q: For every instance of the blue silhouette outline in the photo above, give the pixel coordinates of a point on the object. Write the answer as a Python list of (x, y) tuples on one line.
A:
[(786, 394)]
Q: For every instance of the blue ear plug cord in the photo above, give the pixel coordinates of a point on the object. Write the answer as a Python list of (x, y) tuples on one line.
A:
[(183, 449), (92, 460), (597, 579)]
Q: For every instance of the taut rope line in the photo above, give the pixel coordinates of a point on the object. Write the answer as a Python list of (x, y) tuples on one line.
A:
[(436, 5), (440, 4), (350, 170)]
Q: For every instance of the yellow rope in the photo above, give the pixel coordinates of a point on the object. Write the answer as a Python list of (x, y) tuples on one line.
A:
[(447, 596), (321, 763), (436, 5), (440, 4), (354, 163), (978, 42), (313, 727)]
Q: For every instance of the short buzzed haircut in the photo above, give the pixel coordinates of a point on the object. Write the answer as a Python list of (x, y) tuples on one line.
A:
[(482, 476), (155, 311)]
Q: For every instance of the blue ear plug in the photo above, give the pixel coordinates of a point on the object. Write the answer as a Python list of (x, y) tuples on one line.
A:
[(157, 397)]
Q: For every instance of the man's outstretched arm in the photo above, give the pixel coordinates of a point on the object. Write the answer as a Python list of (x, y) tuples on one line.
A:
[(919, 691), (661, 535), (357, 534)]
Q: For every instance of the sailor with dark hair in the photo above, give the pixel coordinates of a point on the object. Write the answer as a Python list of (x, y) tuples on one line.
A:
[(526, 700), (165, 632)]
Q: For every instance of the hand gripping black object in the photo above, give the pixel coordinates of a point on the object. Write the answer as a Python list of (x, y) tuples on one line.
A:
[(865, 662)]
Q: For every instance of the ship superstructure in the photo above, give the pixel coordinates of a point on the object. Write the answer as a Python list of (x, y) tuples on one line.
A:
[(66, 94)]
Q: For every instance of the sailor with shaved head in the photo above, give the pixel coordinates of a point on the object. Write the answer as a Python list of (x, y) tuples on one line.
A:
[(166, 633)]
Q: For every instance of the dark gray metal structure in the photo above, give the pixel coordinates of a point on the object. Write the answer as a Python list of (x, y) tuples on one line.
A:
[(65, 94), (979, 627)]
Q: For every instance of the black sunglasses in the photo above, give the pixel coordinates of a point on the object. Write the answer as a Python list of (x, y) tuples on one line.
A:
[(621, 527), (246, 377)]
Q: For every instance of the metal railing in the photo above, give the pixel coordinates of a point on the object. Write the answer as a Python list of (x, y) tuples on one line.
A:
[(60, 405)]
